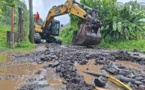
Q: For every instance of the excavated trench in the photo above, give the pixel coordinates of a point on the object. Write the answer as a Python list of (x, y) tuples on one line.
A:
[(59, 67)]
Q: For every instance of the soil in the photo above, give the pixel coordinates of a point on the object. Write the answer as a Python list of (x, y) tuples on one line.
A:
[(60, 67)]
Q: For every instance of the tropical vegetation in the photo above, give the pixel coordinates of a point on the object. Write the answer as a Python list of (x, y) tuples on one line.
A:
[(5, 22), (121, 21)]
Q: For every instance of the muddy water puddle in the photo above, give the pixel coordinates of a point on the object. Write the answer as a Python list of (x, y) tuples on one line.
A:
[(14, 73), (14, 76), (8, 84), (131, 65), (89, 66), (4, 57), (97, 68), (89, 79), (56, 83)]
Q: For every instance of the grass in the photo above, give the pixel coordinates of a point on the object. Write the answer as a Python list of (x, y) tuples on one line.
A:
[(127, 44), (3, 38), (21, 46), (67, 37)]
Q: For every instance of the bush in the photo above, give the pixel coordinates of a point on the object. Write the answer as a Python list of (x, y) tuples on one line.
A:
[(3, 38), (25, 44), (67, 34), (120, 21), (125, 44)]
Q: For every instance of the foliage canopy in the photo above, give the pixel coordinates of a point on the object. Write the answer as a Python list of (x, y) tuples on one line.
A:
[(120, 21), (5, 21)]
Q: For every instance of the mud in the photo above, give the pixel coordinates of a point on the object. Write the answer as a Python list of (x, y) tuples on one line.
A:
[(59, 67)]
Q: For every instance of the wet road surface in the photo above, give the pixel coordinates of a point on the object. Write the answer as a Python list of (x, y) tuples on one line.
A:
[(22, 72)]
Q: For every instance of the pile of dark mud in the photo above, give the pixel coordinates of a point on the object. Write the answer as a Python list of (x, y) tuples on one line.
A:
[(65, 59), (131, 77)]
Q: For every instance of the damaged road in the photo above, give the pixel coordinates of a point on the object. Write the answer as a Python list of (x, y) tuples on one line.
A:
[(60, 67)]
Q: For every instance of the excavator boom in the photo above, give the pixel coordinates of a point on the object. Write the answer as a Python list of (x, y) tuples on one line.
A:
[(70, 6)]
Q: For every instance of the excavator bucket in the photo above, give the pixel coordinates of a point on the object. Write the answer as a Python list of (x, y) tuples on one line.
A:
[(87, 36)]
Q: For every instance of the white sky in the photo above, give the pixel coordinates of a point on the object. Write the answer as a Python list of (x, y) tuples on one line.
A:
[(131, 0), (43, 7)]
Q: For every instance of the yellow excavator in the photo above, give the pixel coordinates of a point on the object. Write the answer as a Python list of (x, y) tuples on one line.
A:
[(88, 34)]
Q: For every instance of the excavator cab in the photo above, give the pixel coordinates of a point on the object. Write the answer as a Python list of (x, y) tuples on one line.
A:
[(54, 27)]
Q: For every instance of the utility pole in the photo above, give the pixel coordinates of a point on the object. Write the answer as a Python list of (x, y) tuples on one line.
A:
[(31, 26), (12, 28)]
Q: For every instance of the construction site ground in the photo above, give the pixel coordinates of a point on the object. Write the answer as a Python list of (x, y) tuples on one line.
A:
[(60, 67)]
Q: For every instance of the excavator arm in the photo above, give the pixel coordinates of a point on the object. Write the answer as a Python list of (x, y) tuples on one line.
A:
[(70, 6)]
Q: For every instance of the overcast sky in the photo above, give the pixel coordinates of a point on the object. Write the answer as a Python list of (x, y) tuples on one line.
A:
[(43, 7)]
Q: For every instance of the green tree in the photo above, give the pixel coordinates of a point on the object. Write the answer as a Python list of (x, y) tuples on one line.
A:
[(5, 20), (5, 4), (120, 21)]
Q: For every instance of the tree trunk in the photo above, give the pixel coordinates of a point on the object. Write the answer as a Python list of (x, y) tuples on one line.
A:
[(20, 24), (31, 26)]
